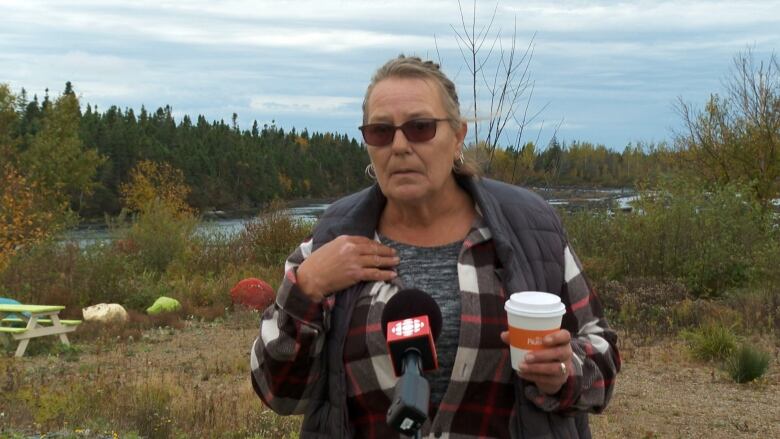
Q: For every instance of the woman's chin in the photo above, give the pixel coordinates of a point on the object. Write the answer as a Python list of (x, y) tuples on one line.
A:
[(406, 193)]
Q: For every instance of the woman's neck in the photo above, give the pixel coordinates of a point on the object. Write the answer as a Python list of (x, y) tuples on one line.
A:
[(438, 221)]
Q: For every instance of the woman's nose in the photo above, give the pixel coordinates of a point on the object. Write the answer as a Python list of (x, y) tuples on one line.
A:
[(400, 143)]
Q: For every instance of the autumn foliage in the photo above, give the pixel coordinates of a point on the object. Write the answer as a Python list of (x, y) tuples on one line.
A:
[(22, 221), (45, 169), (154, 183)]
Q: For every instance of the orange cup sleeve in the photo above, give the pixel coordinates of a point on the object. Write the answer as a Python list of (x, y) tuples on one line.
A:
[(528, 339)]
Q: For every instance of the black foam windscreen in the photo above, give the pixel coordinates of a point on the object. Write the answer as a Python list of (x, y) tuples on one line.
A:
[(412, 303)]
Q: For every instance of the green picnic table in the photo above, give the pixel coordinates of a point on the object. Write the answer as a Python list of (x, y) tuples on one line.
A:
[(41, 321)]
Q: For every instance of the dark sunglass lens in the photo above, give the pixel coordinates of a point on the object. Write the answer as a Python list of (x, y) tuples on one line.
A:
[(419, 130), (378, 134)]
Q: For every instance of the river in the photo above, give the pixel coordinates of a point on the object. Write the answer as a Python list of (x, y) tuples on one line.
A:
[(94, 234), (570, 199)]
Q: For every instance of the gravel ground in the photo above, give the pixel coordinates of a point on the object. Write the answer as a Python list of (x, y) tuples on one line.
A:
[(662, 393)]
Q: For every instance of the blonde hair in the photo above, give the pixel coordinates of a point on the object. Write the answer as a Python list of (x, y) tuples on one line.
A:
[(414, 67)]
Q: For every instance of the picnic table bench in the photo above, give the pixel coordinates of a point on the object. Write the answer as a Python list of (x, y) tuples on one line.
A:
[(39, 320)]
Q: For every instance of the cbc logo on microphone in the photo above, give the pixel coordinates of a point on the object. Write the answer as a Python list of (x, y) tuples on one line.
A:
[(407, 327)]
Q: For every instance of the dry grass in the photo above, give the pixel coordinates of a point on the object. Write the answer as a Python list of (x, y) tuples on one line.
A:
[(662, 392), (194, 382), (183, 374), (163, 383)]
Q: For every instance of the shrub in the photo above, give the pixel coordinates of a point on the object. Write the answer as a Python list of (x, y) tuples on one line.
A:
[(37, 272), (594, 235), (712, 240), (707, 312), (759, 309), (25, 217), (142, 289), (59, 273), (644, 308), (197, 290), (212, 253), (270, 238), (158, 255), (747, 364), (103, 271), (711, 342), (161, 234)]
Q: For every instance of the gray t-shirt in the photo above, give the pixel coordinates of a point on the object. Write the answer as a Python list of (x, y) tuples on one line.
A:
[(435, 271)]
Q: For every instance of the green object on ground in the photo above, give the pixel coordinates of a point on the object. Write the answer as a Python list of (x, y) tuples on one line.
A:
[(163, 304)]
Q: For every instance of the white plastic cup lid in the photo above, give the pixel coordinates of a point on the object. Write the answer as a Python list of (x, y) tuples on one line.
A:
[(535, 304)]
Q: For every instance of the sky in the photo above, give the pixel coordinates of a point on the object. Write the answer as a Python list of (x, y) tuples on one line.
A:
[(606, 72)]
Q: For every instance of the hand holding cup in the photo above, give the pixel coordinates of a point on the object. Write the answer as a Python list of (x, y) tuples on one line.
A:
[(543, 367), (540, 350)]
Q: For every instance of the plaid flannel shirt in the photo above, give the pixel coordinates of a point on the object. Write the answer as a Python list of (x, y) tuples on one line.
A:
[(479, 400)]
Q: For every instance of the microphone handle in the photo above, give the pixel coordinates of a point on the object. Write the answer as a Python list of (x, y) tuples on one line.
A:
[(412, 361), (413, 364), (409, 408)]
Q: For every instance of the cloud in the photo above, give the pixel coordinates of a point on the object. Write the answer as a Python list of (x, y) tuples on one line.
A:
[(342, 25), (609, 69), (305, 104), (352, 11), (312, 26), (94, 75), (331, 40), (642, 16)]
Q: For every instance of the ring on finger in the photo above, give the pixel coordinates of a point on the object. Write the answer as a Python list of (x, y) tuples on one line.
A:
[(564, 369)]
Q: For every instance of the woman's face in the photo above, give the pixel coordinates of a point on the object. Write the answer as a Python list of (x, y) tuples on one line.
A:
[(412, 172)]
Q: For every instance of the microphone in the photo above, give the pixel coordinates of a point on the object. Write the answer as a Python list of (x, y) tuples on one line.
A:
[(411, 321)]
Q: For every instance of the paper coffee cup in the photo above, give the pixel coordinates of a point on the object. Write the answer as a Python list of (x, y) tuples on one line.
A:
[(531, 315)]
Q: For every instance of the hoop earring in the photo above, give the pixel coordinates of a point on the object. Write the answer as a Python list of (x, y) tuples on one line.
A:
[(371, 172), (457, 165)]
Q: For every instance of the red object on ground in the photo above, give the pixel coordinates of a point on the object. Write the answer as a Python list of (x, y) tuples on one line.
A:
[(253, 293)]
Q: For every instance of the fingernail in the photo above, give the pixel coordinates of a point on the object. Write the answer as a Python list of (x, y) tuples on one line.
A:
[(529, 357), (548, 339)]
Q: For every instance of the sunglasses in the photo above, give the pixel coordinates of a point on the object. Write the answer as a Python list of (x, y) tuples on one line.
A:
[(415, 130)]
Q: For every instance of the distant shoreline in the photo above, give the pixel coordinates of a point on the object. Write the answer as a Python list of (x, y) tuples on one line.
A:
[(548, 193), (226, 214)]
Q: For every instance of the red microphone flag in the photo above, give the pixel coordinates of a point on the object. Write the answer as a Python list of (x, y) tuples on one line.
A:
[(413, 333)]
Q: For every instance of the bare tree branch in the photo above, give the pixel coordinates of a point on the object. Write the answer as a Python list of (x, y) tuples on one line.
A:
[(737, 136)]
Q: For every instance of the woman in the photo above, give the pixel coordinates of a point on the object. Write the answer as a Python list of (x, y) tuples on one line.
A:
[(430, 223)]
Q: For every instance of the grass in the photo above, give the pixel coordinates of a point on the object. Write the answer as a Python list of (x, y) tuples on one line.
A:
[(747, 364), (192, 381), (143, 379), (719, 344), (165, 383), (711, 342)]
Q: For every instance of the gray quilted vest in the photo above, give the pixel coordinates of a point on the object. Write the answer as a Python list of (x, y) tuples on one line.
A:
[(529, 242)]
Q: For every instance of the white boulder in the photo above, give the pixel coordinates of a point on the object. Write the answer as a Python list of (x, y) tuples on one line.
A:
[(105, 313)]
